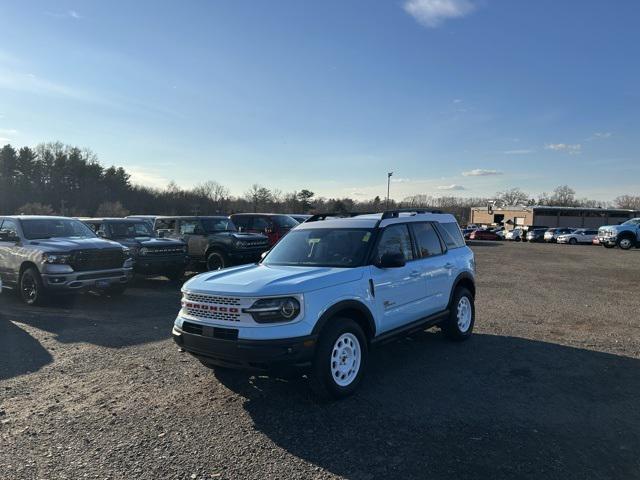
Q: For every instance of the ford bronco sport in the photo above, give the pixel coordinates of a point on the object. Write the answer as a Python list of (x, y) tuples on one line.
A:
[(328, 291), (213, 241), (42, 255), (151, 255)]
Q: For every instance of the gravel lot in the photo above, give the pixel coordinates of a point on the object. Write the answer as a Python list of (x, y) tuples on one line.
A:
[(549, 387)]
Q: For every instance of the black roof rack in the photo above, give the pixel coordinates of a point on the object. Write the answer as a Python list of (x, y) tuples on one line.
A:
[(323, 216), (415, 211)]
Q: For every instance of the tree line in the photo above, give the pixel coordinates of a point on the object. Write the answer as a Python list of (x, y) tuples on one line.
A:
[(53, 178)]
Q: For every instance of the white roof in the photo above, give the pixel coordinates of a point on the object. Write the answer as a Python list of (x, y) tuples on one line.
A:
[(370, 220)]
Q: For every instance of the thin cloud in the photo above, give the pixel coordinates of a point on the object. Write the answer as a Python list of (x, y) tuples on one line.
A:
[(481, 172), (147, 177), (518, 152), (571, 149), (600, 136), (400, 180), (431, 13), (8, 131), (68, 14), (451, 187)]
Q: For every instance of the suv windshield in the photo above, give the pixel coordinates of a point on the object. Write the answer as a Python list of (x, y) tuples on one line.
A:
[(40, 228), (218, 224), (321, 247), (633, 221), (130, 229)]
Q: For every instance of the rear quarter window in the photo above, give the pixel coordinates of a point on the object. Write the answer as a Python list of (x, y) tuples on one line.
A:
[(451, 235)]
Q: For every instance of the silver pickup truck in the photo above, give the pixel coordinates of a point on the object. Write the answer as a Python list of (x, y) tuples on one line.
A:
[(41, 255)]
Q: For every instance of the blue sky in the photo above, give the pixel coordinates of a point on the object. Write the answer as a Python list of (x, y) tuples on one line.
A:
[(461, 97)]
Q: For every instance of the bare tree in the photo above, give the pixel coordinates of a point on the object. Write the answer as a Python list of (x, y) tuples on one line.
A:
[(513, 196), (631, 202)]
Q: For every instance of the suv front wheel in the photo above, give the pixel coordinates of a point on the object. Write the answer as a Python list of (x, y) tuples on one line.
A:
[(217, 260), (462, 315), (340, 359)]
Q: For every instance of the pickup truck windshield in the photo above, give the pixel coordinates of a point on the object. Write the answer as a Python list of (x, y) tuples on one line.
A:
[(130, 229), (41, 228), (321, 247)]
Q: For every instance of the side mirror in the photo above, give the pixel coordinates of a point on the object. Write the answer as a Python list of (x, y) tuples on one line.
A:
[(101, 233), (391, 260)]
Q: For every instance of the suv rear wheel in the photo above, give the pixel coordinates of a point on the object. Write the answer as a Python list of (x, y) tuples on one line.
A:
[(32, 289), (217, 260), (340, 359), (462, 316)]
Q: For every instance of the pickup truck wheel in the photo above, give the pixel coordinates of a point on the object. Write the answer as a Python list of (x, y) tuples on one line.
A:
[(32, 289), (462, 315), (217, 260), (626, 243), (340, 360)]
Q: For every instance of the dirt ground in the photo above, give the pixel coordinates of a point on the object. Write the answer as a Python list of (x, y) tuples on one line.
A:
[(548, 387)]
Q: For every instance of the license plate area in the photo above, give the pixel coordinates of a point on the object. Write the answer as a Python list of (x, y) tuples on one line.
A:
[(103, 284)]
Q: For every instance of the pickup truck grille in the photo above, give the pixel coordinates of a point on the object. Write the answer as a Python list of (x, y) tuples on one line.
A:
[(86, 260)]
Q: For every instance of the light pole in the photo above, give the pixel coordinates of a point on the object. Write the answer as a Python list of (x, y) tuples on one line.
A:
[(389, 174)]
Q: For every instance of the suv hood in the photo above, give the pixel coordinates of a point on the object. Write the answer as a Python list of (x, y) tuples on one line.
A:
[(69, 244), (263, 280)]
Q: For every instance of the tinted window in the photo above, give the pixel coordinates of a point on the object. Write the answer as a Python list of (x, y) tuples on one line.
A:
[(217, 224), (129, 229), (165, 224), (189, 227), (321, 248), (39, 228), (395, 238), (427, 239), (451, 235), (242, 221), (260, 224)]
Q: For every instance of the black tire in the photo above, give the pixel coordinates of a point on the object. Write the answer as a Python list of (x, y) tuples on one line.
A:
[(573, 241), (176, 275), (608, 245), (217, 260), (518, 239), (454, 329), (323, 383), (32, 291), (626, 243)]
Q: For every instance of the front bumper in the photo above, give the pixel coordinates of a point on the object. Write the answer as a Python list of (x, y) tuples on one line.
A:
[(152, 265), (607, 239), (216, 346), (72, 281)]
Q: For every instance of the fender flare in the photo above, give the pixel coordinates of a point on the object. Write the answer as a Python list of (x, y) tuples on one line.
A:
[(462, 277), (343, 305)]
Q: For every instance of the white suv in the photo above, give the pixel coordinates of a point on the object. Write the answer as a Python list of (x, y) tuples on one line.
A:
[(328, 291)]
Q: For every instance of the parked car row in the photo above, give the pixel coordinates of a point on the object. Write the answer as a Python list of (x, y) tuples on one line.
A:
[(625, 235), (42, 255)]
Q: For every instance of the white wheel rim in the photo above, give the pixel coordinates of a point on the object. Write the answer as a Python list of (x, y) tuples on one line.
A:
[(464, 314), (624, 243), (345, 359)]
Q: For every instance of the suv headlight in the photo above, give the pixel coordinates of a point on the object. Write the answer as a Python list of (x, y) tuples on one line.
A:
[(270, 310), (56, 258)]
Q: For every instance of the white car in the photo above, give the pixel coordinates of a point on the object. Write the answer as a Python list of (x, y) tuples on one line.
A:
[(516, 235), (582, 235)]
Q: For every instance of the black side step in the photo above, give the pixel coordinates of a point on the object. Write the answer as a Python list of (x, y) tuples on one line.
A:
[(420, 324)]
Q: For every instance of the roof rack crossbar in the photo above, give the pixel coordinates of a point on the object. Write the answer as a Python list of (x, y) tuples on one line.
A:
[(323, 216), (416, 211)]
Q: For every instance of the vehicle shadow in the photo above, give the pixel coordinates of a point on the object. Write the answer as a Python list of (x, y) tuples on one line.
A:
[(20, 353), (493, 407), (140, 315)]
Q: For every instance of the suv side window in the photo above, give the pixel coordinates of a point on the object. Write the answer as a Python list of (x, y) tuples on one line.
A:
[(189, 227), (452, 236), (8, 231), (165, 224), (427, 240), (242, 221), (394, 239)]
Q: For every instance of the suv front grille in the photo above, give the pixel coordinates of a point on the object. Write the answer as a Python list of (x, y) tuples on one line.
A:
[(201, 298), (86, 260)]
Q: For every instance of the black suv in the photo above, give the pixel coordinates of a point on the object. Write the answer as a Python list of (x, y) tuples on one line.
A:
[(213, 241), (152, 255)]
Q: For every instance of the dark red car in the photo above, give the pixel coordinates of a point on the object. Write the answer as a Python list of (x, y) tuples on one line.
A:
[(273, 225), (484, 235)]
